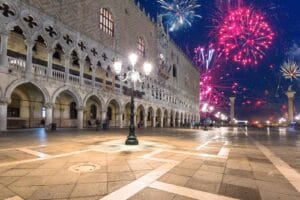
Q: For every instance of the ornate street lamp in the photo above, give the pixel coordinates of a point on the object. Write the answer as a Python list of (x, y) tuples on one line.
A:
[(134, 76)]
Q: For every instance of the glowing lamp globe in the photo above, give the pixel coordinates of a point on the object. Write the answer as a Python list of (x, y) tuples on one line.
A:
[(118, 67), (147, 68), (133, 59), (135, 76)]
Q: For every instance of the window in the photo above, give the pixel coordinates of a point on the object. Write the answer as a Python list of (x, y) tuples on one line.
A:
[(13, 112), (106, 21), (141, 46), (174, 71), (73, 111), (93, 111)]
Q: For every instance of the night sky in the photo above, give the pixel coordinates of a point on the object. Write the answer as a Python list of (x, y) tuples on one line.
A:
[(262, 88)]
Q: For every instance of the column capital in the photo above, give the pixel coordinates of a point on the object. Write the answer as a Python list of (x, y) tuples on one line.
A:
[(50, 50), (29, 43), (80, 108), (49, 105), (4, 100), (4, 33)]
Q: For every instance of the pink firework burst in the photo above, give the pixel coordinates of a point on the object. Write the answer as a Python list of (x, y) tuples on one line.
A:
[(244, 36)]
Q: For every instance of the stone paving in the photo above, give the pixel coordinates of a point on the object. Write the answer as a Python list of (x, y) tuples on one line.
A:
[(175, 164)]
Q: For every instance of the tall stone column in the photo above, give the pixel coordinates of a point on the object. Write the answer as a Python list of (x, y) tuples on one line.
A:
[(67, 67), (3, 55), (161, 121), (80, 117), (3, 115), (29, 71), (120, 119), (290, 94), (49, 114), (49, 63), (232, 111)]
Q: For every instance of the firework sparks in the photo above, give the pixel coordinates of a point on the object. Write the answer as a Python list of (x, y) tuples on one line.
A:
[(179, 12), (244, 36), (290, 70), (204, 57)]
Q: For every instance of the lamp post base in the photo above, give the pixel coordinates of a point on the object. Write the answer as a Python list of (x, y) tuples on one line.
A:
[(131, 140)]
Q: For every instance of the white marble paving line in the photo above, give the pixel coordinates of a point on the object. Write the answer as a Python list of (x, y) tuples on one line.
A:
[(206, 143), (149, 157), (35, 153), (16, 148), (46, 158), (224, 152), (285, 169), (195, 154), (138, 185), (14, 198), (187, 192)]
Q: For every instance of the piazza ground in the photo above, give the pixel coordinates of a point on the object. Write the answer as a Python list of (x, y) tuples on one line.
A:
[(175, 164)]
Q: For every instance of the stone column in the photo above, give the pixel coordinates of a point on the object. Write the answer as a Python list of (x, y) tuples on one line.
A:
[(232, 102), (49, 63), (168, 121), (49, 114), (67, 67), (154, 121), (29, 71), (94, 77), (80, 117), (290, 94), (162, 121), (81, 64), (3, 115), (120, 119), (174, 121), (145, 121), (103, 115), (3, 56)]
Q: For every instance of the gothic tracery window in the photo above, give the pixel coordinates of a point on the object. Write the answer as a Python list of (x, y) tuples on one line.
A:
[(141, 46), (106, 21)]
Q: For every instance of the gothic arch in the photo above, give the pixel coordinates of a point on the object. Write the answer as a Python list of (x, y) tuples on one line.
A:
[(15, 84), (71, 91)]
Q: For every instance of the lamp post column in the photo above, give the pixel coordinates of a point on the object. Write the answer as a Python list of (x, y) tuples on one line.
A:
[(131, 139)]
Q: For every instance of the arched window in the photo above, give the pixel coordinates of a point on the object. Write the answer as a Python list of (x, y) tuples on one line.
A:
[(174, 71), (73, 111), (109, 113), (141, 46), (106, 21), (93, 111)]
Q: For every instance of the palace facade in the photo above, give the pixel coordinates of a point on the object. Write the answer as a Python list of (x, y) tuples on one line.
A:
[(56, 66)]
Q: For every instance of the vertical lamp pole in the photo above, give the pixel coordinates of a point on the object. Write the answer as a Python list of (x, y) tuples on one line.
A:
[(133, 76)]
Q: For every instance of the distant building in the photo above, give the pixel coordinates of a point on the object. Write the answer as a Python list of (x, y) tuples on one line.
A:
[(56, 66)]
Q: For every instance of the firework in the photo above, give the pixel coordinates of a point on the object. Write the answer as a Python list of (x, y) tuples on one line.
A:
[(290, 70), (179, 12), (204, 57), (244, 36)]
